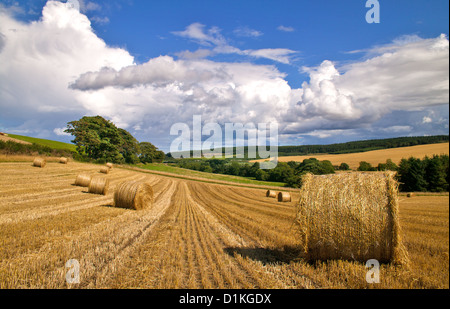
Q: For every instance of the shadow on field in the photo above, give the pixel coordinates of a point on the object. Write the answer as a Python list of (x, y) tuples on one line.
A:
[(282, 255)]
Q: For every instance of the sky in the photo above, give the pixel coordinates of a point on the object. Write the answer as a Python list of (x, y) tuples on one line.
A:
[(316, 68)]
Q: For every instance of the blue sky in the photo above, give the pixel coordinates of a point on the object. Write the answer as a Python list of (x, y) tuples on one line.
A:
[(316, 67)]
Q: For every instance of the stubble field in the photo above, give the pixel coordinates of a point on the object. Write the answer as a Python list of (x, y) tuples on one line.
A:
[(375, 156), (197, 235)]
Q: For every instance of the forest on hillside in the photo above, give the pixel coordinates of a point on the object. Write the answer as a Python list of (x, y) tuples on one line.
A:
[(338, 148), (361, 146)]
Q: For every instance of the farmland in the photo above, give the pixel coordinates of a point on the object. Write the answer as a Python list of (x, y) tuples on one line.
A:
[(43, 142), (197, 235), (376, 156)]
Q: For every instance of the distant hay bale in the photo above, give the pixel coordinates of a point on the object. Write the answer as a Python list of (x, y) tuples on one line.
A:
[(271, 193), (104, 170), (352, 216), (109, 165), (284, 197), (135, 195), (83, 180), (39, 162), (411, 194), (98, 185), (63, 160)]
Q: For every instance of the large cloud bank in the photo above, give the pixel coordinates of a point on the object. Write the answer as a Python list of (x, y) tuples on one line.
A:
[(57, 69)]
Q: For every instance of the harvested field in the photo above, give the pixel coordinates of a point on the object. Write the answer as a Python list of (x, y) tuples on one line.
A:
[(376, 156), (195, 235)]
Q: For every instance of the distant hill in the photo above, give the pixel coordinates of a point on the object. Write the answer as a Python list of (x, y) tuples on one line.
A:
[(352, 147), (375, 157), (361, 146)]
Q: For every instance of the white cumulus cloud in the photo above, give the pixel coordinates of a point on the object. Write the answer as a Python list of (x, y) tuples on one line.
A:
[(57, 69), (411, 74)]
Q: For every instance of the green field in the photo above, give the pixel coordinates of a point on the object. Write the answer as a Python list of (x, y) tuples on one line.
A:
[(45, 142), (159, 167)]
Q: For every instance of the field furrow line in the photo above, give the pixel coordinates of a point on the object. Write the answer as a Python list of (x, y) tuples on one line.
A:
[(53, 210), (231, 221), (214, 238), (94, 247), (269, 207), (264, 228), (132, 227), (165, 259), (30, 209), (262, 275)]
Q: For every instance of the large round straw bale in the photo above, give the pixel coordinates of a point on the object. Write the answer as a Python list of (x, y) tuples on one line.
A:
[(63, 160), (104, 170), (133, 195), (39, 162), (271, 193), (83, 180), (98, 185), (410, 194), (109, 165), (351, 216), (284, 197)]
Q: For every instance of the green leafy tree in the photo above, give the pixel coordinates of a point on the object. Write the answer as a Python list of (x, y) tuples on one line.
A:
[(129, 147), (315, 167), (388, 166), (294, 181), (445, 167), (435, 174), (98, 138), (344, 167), (365, 167), (254, 169), (412, 175), (281, 172), (149, 153), (233, 168), (261, 175), (326, 167)]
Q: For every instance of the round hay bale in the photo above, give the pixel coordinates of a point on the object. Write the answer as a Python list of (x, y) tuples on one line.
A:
[(39, 162), (411, 194), (284, 197), (63, 160), (271, 193), (135, 195), (83, 180), (109, 165), (98, 185), (351, 216), (104, 170)]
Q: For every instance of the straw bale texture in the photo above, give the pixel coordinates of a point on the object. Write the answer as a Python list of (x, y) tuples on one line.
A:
[(104, 170), (83, 180), (39, 162), (133, 195), (63, 160), (109, 165), (284, 197), (352, 216), (98, 185), (271, 193)]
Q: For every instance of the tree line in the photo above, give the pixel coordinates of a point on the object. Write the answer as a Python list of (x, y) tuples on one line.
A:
[(289, 173), (428, 174), (361, 146), (417, 175), (341, 148)]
